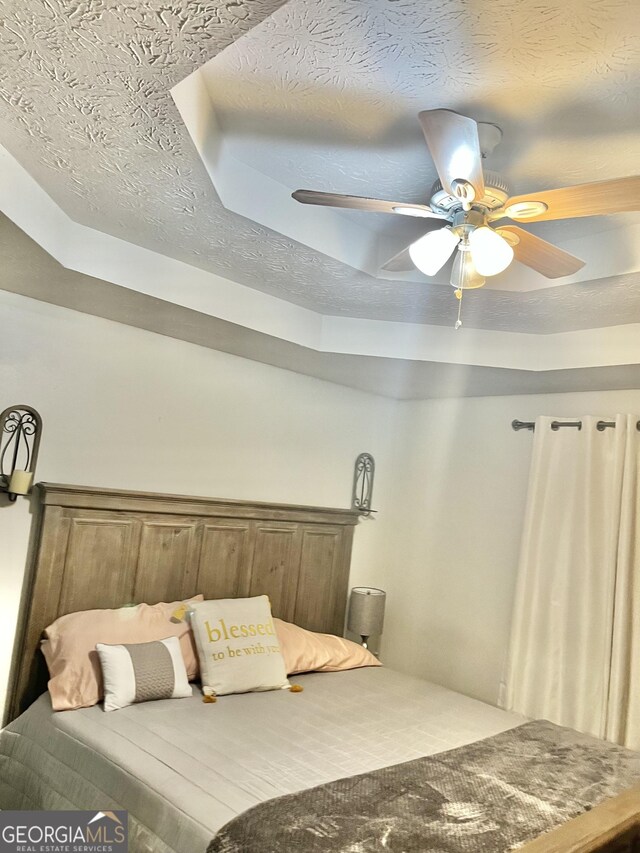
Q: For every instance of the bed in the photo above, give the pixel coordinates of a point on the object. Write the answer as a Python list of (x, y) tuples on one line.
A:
[(184, 769)]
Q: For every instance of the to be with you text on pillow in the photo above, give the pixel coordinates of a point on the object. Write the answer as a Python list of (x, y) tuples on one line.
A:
[(237, 645)]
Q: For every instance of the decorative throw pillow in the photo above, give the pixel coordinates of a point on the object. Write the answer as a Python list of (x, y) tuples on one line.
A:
[(142, 672), (237, 645), (69, 647), (307, 651)]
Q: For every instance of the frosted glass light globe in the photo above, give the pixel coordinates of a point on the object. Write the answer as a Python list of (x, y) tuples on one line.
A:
[(491, 253), (431, 252)]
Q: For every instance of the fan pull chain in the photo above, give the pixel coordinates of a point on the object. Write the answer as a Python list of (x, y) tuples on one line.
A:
[(458, 294)]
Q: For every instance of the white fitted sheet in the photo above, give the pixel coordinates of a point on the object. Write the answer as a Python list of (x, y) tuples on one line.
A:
[(183, 768)]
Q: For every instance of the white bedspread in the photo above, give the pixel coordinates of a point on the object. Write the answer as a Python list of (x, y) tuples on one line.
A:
[(183, 768)]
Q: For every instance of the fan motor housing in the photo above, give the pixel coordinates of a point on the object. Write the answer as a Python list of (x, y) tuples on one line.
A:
[(496, 193)]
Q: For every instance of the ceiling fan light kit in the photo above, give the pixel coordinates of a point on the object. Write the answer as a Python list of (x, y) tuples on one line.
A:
[(464, 274), (491, 252), (431, 252), (471, 201)]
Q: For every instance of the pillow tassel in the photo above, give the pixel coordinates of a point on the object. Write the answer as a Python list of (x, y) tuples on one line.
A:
[(179, 614), (209, 694)]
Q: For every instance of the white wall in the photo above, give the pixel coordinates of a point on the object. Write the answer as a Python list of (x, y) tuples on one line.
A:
[(131, 409), (127, 408), (461, 510)]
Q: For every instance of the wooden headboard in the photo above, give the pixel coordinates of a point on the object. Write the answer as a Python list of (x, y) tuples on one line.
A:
[(95, 548)]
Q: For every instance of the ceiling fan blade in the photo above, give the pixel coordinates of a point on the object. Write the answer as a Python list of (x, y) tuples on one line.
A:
[(374, 205), (400, 263), (536, 253), (597, 199), (455, 148)]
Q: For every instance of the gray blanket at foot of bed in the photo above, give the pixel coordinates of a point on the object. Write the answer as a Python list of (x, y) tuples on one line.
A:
[(492, 795)]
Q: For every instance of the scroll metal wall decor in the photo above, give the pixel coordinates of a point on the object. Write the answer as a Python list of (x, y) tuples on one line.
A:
[(362, 494), (20, 430)]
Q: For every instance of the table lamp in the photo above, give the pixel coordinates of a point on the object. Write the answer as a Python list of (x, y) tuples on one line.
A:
[(366, 612)]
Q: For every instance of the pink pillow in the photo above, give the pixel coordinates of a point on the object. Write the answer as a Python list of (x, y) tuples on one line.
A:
[(306, 651), (69, 647)]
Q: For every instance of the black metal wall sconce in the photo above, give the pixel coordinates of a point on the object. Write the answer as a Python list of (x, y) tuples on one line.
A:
[(363, 474), (20, 431)]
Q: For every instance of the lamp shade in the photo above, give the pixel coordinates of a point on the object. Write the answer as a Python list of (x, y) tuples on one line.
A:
[(431, 252), (366, 611), (491, 252)]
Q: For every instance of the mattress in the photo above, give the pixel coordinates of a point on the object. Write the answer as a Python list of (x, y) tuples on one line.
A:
[(183, 768)]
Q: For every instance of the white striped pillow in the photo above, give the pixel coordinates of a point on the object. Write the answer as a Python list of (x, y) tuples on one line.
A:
[(142, 672)]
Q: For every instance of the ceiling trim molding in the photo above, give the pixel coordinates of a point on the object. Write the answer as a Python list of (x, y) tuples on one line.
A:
[(257, 196), (91, 252), (94, 253)]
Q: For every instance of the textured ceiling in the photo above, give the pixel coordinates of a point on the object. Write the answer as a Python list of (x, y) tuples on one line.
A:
[(85, 107), (29, 271), (327, 94)]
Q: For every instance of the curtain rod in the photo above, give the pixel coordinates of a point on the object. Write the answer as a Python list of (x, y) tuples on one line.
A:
[(556, 425)]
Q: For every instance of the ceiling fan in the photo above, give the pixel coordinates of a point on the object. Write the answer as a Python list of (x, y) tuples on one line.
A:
[(474, 205)]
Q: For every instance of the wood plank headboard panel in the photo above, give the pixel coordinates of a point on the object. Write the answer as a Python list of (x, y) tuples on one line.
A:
[(98, 548)]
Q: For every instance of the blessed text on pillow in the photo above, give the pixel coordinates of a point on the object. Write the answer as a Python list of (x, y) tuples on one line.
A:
[(237, 644)]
